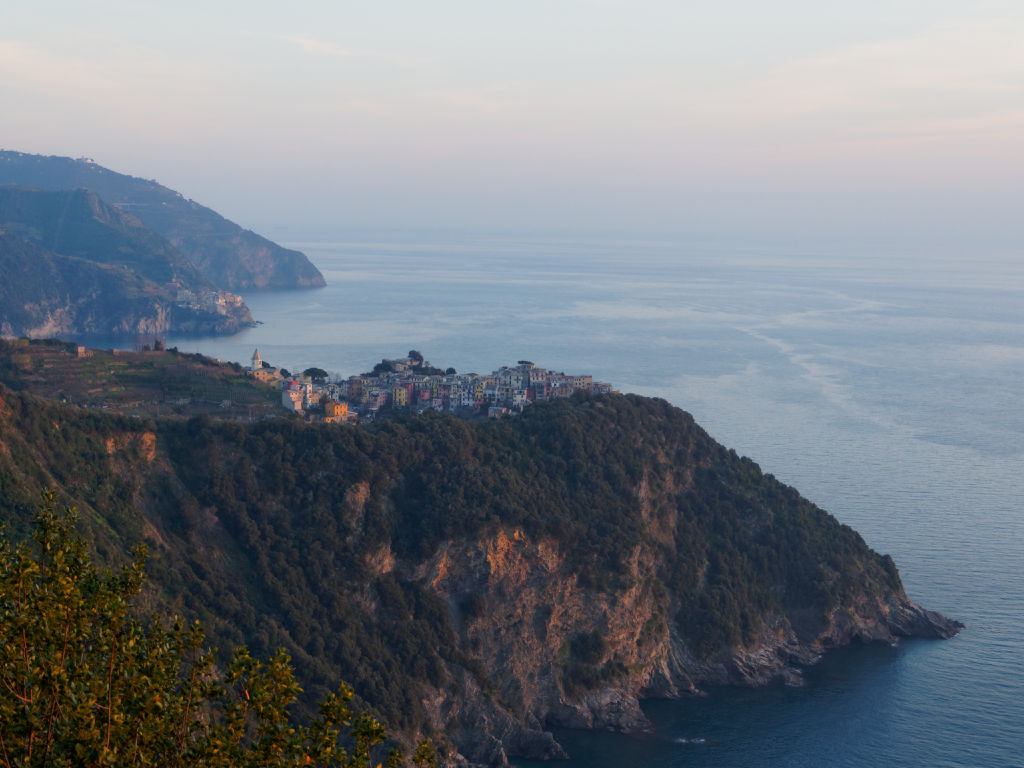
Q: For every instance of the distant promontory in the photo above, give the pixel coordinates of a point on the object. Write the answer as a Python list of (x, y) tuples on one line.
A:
[(232, 258)]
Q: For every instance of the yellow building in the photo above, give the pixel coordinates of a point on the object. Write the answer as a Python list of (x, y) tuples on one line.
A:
[(335, 412), (400, 397)]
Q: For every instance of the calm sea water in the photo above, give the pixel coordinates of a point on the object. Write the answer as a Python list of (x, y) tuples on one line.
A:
[(887, 387)]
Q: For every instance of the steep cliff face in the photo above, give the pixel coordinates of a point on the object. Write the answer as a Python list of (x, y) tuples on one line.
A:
[(561, 654), (479, 582)]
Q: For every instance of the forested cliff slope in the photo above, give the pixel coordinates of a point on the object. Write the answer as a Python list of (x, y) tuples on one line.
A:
[(478, 582)]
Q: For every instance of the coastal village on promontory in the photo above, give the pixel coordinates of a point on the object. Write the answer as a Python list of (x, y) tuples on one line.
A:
[(411, 384)]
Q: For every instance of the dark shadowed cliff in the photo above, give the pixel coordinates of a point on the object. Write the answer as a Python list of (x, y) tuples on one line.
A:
[(230, 257), (476, 582)]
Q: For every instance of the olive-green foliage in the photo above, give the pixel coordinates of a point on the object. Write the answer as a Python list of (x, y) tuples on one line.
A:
[(587, 647), (85, 683)]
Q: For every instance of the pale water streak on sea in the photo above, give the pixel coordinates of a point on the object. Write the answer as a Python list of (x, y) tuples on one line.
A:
[(886, 387)]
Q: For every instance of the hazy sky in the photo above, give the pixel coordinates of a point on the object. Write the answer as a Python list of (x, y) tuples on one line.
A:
[(829, 116)]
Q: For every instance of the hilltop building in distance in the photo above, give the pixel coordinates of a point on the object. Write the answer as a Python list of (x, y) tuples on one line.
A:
[(413, 385)]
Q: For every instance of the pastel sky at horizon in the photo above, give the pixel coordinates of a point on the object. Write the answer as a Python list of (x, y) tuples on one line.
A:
[(901, 118)]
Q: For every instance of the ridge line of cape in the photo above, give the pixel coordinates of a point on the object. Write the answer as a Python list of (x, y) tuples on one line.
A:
[(231, 257)]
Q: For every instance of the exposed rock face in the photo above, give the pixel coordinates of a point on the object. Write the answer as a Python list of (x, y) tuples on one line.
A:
[(526, 609), (485, 732)]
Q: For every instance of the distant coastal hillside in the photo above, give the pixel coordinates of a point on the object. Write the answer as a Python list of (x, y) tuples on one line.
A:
[(230, 257), (73, 265)]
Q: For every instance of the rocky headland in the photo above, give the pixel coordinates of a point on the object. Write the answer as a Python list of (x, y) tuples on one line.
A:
[(476, 582)]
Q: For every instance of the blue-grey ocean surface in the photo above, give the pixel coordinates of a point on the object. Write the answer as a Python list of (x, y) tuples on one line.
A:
[(887, 387)]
